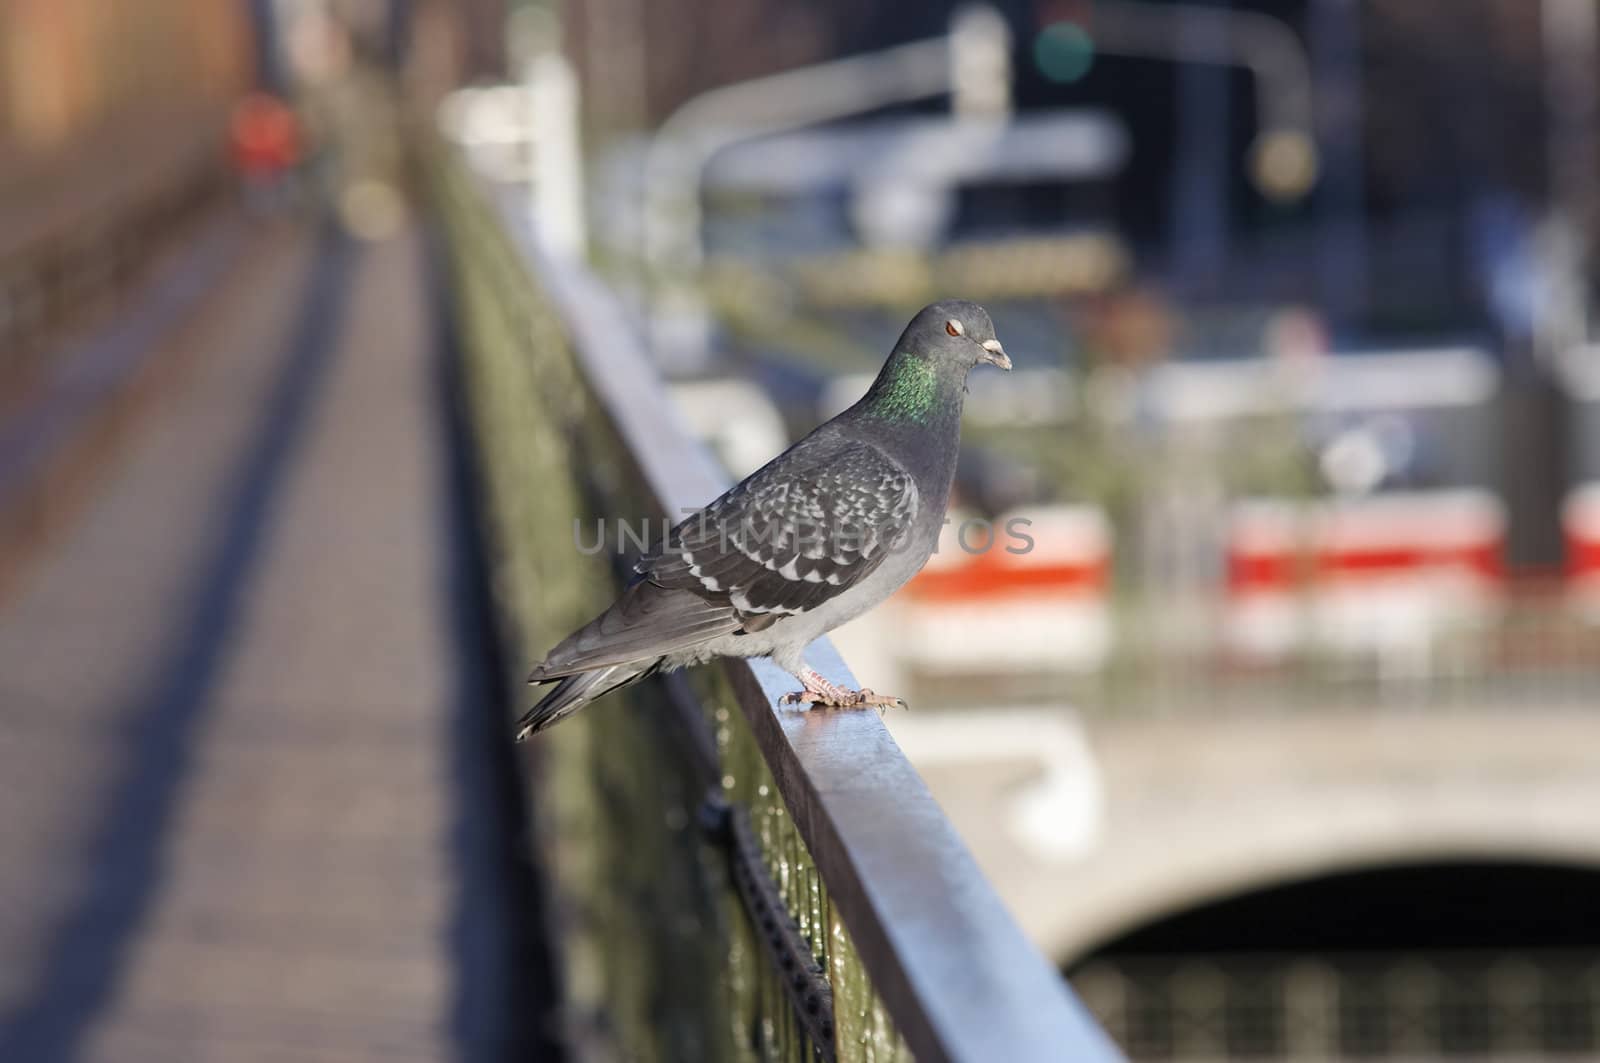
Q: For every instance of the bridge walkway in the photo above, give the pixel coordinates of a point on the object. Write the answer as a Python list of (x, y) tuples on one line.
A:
[(254, 808)]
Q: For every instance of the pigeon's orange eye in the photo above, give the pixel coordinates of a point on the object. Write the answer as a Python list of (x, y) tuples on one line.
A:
[(953, 327)]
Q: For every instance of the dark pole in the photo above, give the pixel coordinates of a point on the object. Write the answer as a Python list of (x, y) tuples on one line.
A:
[(269, 57), (1335, 28), (1536, 438), (398, 35), (1200, 182)]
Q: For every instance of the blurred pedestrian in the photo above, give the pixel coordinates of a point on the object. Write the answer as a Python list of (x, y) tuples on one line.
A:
[(267, 146)]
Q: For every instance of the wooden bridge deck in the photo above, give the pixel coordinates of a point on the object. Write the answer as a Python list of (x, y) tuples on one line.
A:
[(249, 806)]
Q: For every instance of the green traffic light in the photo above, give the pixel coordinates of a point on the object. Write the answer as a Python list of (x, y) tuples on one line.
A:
[(1063, 52)]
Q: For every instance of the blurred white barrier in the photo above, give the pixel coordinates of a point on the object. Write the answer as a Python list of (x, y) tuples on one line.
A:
[(1580, 520), (1382, 575), (1027, 590)]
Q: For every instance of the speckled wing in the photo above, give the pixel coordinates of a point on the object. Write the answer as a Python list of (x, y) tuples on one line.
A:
[(809, 526), (645, 621)]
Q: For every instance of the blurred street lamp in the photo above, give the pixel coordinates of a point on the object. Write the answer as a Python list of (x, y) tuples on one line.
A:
[(903, 172), (962, 63), (1284, 163), (980, 63)]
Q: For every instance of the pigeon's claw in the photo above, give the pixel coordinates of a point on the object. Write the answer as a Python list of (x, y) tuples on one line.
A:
[(819, 691), (881, 701)]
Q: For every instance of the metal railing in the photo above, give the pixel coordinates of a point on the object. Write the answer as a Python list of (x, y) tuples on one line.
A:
[(817, 872), (89, 232), (1526, 1005)]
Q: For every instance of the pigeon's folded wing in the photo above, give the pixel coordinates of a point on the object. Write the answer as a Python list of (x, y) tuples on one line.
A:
[(646, 621), (803, 530)]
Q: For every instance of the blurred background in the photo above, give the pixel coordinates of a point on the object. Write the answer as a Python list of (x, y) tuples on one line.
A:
[(1281, 739), (1278, 737)]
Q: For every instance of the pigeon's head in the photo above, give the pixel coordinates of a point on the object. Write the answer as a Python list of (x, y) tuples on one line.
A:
[(956, 334), (925, 378)]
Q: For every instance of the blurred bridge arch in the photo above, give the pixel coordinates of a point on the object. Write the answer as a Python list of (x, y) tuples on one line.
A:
[(1186, 811)]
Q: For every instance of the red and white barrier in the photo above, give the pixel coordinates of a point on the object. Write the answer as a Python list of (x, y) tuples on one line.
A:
[(1383, 574), (1027, 590), (1580, 521)]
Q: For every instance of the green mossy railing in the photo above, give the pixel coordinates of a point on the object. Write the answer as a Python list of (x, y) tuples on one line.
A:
[(660, 957)]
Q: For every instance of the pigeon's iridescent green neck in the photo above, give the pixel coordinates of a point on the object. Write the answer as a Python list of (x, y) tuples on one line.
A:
[(908, 390)]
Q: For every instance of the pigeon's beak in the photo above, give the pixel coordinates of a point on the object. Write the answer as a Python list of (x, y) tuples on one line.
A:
[(995, 354)]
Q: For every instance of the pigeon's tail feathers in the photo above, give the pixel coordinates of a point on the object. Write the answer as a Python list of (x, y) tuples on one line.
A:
[(576, 691), (647, 621)]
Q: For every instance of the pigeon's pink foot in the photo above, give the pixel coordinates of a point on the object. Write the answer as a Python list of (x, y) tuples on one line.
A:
[(818, 691)]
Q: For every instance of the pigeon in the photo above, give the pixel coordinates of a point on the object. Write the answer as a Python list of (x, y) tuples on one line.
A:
[(816, 537)]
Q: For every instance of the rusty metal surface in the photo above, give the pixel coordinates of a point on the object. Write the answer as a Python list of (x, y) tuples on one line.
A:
[(954, 970)]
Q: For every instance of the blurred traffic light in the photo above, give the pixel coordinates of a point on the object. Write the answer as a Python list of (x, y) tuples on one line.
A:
[(1064, 48), (1063, 52)]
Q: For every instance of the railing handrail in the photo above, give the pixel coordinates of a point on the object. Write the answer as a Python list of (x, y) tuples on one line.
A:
[(950, 964)]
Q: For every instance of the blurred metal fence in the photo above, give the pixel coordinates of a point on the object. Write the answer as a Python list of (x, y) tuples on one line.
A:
[(68, 245), (1378, 1006), (725, 873), (1534, 651)]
